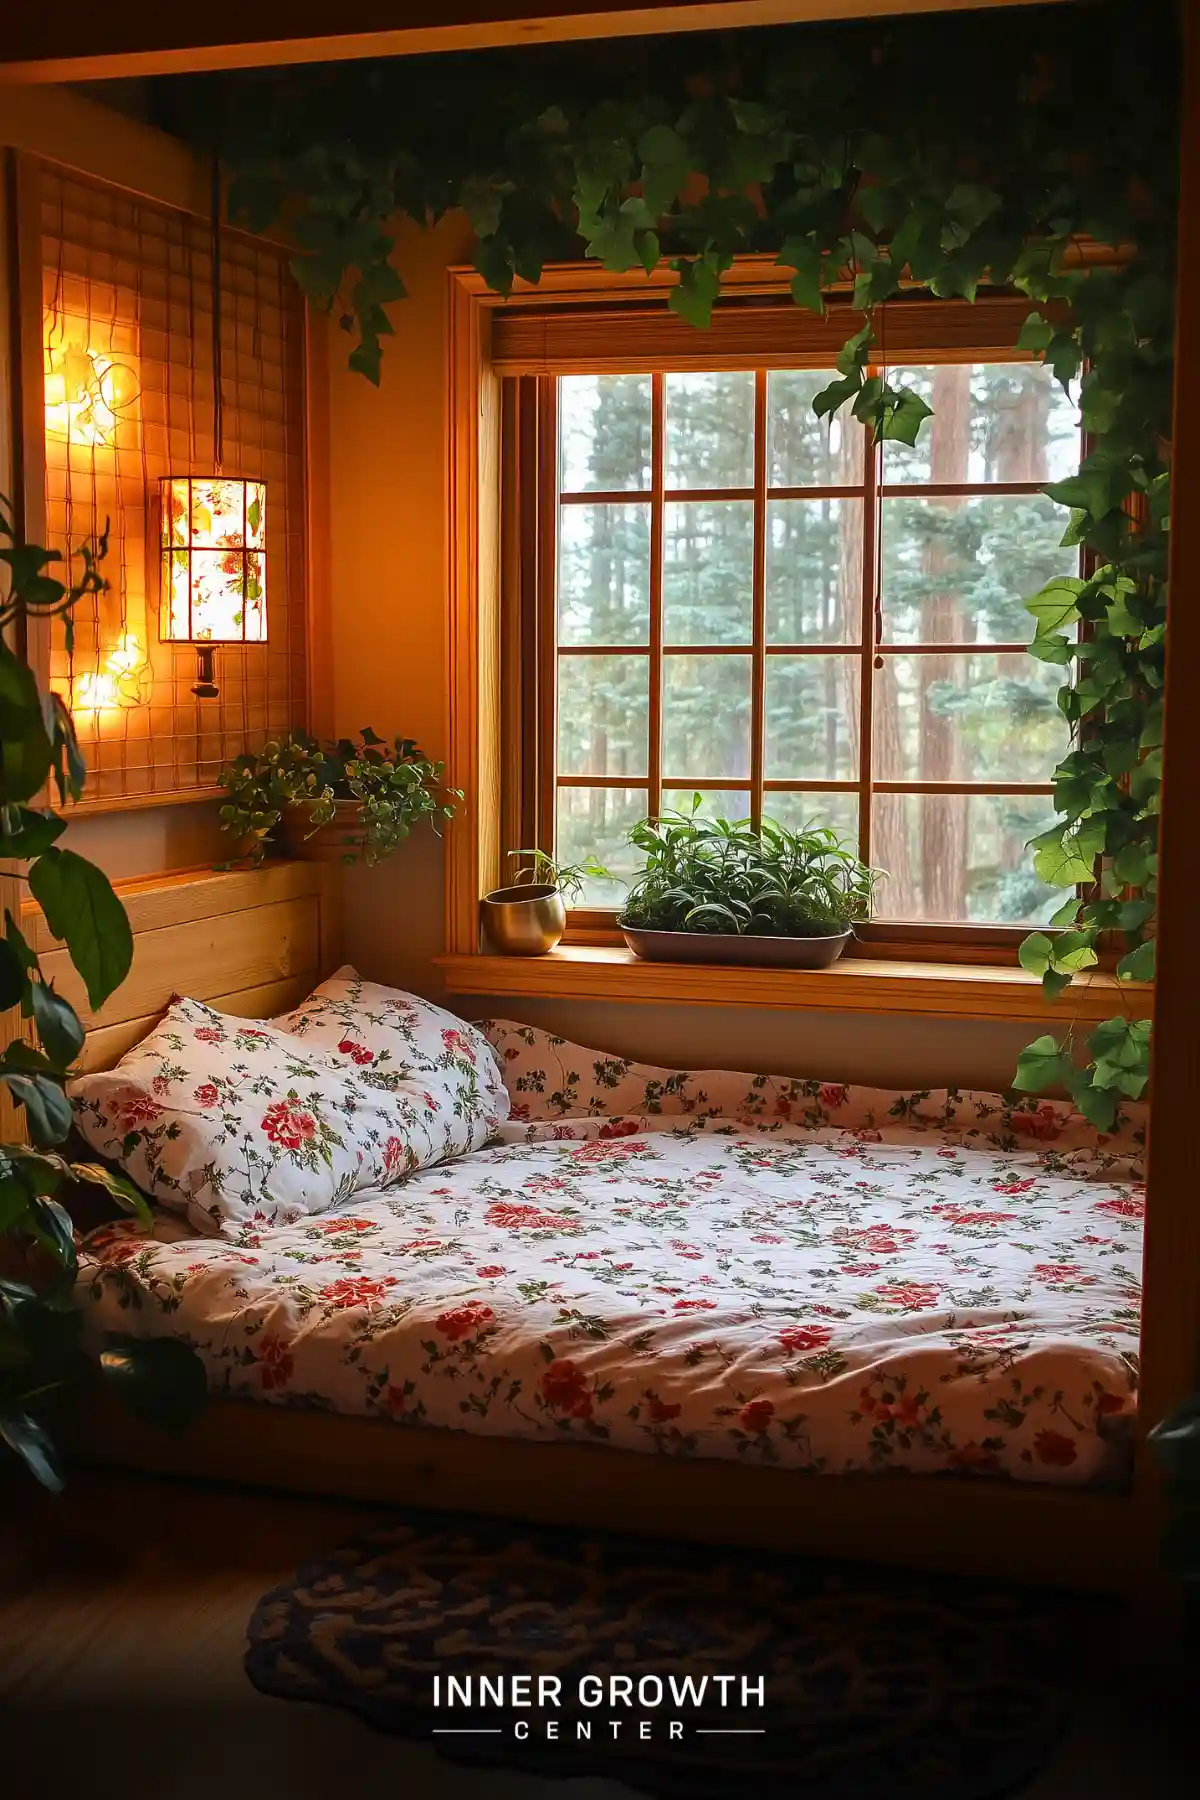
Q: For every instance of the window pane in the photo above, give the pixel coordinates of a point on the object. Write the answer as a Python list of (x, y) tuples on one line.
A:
[(715, 803), (811, 710), (814, 571), (967, 718), (961, 857), (804, 451), (797, 811), (596, 822), (708, 571), (958, 569), (603, 432), (603, 715), (706, 716), (604, 574), (1006, 421), (710, 430)]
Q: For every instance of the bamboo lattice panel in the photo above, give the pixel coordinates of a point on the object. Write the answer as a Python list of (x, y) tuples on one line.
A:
[(127, 285)]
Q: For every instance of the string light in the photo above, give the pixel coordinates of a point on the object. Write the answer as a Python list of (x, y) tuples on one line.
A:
[(86, 393), (118, 683)]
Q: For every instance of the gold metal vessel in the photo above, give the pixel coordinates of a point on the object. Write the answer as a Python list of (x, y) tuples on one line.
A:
[(524, 920)]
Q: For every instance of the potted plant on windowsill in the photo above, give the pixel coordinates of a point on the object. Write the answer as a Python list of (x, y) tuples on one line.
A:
[(529, 917), (332, 802), (720, 892)]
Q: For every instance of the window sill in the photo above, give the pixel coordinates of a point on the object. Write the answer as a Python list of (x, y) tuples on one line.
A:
[(855, 984)]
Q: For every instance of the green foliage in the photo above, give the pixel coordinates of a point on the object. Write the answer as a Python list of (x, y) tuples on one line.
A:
[(717, 875), (543, 870), (41, 1349), (394, 785), (849, 152)]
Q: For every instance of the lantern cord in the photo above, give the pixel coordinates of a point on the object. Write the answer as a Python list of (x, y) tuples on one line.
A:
[(218, 417)]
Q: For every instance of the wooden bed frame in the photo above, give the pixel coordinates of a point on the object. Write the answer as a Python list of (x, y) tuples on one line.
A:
[(252, 944)]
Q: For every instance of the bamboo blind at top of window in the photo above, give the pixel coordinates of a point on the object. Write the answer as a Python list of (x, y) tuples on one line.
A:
[(127, 284)]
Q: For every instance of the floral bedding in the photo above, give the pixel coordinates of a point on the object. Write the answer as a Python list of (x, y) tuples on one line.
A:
[(817, 1277)]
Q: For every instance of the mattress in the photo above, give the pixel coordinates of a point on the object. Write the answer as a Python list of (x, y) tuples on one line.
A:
[(880, 1295)]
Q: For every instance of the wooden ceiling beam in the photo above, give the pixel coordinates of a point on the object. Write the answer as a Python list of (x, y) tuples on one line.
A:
[(129, 40)]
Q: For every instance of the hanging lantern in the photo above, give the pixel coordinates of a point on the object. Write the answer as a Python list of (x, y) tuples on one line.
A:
[(214, 566), (214, 533)]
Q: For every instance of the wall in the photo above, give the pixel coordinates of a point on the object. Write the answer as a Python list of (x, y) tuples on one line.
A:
[(84, 134), (388, 603)]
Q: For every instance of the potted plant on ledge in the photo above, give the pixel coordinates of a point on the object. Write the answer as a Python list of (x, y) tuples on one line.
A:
[(720, 892), (529, 918), (332, 802)]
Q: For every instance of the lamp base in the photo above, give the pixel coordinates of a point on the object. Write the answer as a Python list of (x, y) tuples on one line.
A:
[(205, 687)]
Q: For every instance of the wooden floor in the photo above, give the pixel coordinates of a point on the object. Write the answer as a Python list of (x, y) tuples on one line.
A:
[(123, 1609)]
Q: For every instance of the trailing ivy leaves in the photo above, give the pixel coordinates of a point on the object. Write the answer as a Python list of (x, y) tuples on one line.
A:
[(868, 165), (41, 1349)]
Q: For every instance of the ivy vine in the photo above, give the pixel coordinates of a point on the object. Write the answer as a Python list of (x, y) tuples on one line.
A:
[(940, 156)]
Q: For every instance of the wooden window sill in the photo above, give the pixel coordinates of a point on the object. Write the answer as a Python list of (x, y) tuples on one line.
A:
[(856, 984)]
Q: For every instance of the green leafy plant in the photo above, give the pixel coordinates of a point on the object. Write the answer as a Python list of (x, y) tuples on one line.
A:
[(861, 160), (542, 870), (394, 785), (41, 1349), (714, 875)]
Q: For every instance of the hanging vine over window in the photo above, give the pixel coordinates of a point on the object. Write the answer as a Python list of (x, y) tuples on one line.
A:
[(940, 155)]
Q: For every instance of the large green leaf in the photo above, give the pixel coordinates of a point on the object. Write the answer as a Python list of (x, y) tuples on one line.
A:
[(80, 907), (57, 1023), (161, 1380), (33, 1445), (1043, 1064)]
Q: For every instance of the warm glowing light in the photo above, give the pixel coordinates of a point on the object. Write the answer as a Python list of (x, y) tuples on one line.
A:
[(214, 564), (117, 684), (86, 393)]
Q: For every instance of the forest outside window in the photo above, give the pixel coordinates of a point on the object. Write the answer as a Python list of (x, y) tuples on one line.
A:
[(738, 600)]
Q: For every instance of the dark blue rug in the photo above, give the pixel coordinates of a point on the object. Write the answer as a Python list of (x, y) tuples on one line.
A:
[(723, 1673)]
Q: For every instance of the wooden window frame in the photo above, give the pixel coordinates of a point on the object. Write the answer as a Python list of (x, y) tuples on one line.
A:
[(496, 538), (538, 631)]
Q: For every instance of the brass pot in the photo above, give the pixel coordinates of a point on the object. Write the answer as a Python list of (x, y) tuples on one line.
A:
[(524, 920)]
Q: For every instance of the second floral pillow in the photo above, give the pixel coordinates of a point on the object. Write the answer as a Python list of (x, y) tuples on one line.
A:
[(233, 1121), (400, 1045)]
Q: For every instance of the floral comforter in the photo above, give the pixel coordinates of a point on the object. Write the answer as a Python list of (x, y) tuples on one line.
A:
[(820, 1278)]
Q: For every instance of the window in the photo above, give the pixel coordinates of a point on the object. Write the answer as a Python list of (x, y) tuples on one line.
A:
[(739, 600)]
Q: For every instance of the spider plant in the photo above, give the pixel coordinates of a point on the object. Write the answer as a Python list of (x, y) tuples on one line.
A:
[(719, 875)]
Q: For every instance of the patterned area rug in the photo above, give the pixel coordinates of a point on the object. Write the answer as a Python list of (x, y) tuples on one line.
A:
[(806, 1680)]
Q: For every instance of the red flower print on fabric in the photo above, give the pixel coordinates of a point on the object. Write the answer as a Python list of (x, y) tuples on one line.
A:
[(756, 1415), (358, 1290), (208, 1034), (340, 1227), (694, 1305), (832, 1095), (1043, 1124), (275, 1360), (206, 1094), (139, 1109), (618, 1128), (604, 1151), (288, 1125), (457, 1045), (661, 1411), (490, 1271), (463, 1321), (356, 1052), (564, 1387), (1134, 1207), (515, 1217), (1053, 1448), (912, 1296), (805, 1337), (973, 1459)]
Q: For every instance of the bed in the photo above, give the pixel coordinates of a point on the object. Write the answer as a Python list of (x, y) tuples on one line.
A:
[(665, 1303), (842, 1281)]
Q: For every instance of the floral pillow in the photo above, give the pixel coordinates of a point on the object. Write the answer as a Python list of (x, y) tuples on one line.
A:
[(234, 1122), (551, 1079), (398, 1045)]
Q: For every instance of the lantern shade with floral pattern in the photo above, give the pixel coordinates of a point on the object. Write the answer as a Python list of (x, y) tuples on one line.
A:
[(214, 565)]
